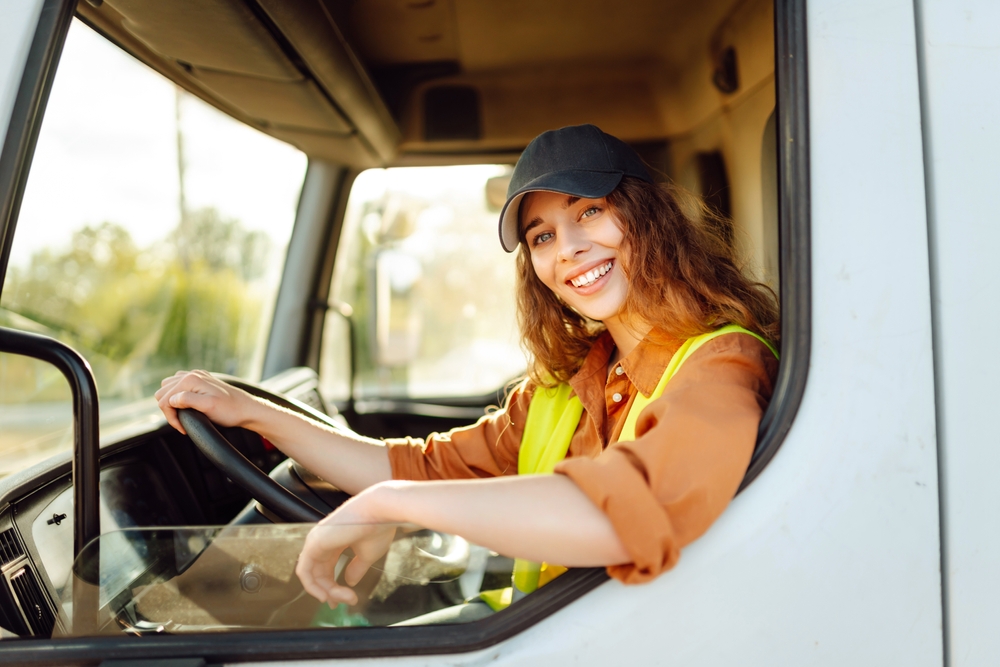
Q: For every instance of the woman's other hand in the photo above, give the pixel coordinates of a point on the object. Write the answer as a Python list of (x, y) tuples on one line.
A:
[(200, 390), (360, 524)]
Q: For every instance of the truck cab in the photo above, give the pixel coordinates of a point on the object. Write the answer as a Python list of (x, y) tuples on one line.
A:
[(302, 195)]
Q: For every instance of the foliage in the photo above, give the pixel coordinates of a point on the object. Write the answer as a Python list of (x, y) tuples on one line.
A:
[(138, 314)]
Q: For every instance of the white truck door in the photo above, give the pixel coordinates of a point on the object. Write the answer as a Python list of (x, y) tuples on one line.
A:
[(832, 556), (960, 62), (16, 32)]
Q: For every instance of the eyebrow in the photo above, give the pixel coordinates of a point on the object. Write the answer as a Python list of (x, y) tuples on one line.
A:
[(534, 222)]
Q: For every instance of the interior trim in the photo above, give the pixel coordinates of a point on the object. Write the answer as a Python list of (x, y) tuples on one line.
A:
[(364, 406), (794, 246), (314, 644), (291, 315), (26, 117)]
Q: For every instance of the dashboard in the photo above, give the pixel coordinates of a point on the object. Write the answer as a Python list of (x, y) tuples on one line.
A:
[(132, 495), (184, 550), (153, 478), (157, 480)]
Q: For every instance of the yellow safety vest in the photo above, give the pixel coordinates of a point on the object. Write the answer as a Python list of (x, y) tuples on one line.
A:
[(553, 416)]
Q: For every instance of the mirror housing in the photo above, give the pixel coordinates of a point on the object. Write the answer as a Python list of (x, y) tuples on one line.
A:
[(398, 319)]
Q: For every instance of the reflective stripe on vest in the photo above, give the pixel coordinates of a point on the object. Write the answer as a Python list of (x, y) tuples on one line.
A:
[(553, 416)]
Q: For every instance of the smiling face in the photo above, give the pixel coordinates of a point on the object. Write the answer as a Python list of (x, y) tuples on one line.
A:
[(575, 248)]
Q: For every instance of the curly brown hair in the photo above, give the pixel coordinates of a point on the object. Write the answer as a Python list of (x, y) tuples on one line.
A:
[(683, 279)]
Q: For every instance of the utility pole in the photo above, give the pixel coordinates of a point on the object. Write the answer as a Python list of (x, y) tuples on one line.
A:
[(182, 236)]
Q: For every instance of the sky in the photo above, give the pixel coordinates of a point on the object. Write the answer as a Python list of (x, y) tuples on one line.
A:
[(107, 151)]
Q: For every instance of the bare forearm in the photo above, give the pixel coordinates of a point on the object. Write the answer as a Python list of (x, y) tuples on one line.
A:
[(345, 459), (540, 518)]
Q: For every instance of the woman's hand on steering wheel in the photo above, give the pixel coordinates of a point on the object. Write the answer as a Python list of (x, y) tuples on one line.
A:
[(222, 403)]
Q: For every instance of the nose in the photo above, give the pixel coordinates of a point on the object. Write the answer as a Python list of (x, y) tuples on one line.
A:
[(570, 243)]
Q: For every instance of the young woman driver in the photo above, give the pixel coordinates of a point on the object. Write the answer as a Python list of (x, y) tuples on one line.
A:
[(651, 368)]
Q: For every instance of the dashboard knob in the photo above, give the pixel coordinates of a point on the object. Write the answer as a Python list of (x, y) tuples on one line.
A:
[(251, 581)]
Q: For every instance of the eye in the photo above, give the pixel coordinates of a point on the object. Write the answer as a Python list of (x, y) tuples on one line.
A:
[(540, 238), (591, 211)]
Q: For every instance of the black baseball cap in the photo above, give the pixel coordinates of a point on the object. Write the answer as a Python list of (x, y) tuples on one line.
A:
[(580, 160)]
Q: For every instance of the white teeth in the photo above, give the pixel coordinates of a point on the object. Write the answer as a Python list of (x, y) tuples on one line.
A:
[(589, 277)]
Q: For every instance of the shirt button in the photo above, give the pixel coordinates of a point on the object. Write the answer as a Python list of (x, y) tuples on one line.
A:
[(616, 397), (619, 370)]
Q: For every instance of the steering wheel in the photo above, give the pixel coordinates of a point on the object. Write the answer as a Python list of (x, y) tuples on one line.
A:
[(238, 468)]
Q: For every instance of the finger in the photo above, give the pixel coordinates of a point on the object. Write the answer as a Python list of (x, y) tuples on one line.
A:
[(173, 384), (316, 568), (333, 592), (311, 580), (165, 388), (204, 375), (190, 399), (171, 414), (355, 570), (173, 378), (318, 581), (312, 586), (338, 594)]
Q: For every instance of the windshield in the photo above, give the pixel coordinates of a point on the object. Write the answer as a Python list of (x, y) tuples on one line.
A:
[(238, 578), (151, 238)]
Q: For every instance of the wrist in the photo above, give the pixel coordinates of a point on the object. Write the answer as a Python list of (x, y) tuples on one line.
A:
[(390, 500), (254, 415)]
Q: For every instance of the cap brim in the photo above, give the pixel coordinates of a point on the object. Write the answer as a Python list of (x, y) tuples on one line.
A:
[(590, 184)]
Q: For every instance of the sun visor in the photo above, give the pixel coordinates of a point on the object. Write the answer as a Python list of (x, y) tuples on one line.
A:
[(208, 34), (284, 67), (286, 103)]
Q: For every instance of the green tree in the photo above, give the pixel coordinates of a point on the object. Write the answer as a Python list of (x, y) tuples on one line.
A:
[(138, 314)]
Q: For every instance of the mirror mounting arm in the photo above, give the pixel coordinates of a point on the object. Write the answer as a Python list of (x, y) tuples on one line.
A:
[(86, 453)]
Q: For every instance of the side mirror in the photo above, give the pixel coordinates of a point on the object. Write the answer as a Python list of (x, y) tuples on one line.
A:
[(398, 316), (337, 356), (496, 192)]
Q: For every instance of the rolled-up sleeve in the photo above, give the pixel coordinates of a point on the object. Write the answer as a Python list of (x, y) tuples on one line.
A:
[(693, 445), (487, 448)]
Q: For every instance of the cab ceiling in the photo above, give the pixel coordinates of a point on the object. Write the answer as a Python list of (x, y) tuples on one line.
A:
[(352, 80)]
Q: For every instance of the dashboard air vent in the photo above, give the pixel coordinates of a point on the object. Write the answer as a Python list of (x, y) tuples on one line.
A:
[(10, 547), (36, 609)]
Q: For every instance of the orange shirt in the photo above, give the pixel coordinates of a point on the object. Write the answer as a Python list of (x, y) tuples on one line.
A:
[(660, 491)]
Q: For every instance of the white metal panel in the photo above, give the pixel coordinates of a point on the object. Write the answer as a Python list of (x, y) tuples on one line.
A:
[(18, 19), (832, 556), (961, 70)]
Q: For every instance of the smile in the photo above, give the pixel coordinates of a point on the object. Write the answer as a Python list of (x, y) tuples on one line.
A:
[(590, 277)]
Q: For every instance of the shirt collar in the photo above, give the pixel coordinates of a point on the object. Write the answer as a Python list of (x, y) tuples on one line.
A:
[(596, 360), (645, 365)]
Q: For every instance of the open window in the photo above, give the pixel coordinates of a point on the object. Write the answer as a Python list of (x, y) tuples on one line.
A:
[(151, 237), (418, 109)]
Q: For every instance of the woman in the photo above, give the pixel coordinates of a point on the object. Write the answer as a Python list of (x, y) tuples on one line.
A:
[(650, 374)]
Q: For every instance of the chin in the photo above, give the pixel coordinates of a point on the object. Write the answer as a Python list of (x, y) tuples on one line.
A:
[(600, 313)]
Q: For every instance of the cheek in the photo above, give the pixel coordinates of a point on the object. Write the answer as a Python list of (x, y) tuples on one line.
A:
[(543, 269), (609, 236), (615, 237), (624, 253)]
